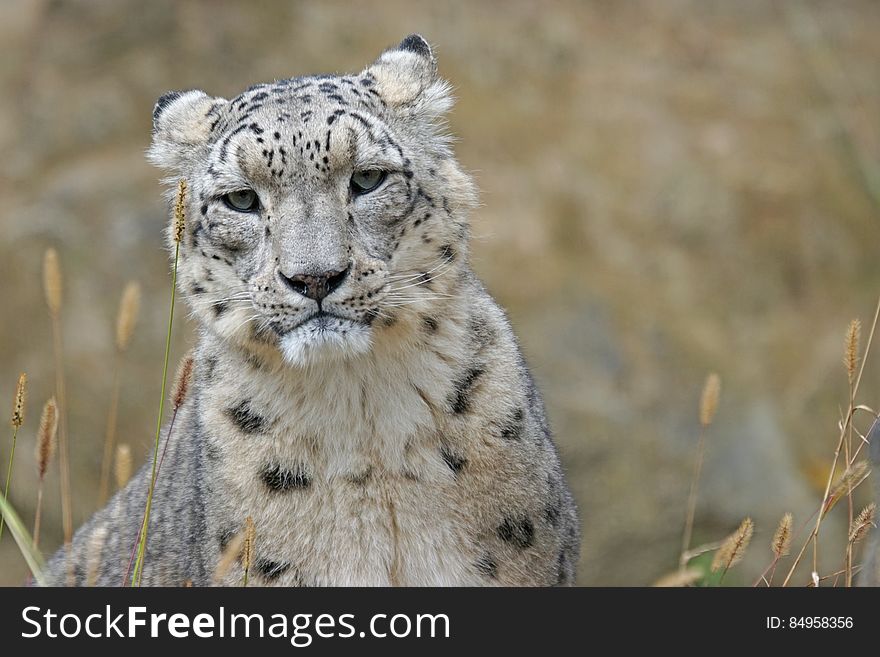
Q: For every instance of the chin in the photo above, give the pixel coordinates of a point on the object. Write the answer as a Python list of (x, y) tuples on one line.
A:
[(320, 341)]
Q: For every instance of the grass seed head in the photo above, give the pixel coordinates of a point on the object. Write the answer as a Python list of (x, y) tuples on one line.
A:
[(19, 401), (122, 465), (180, 210), (709, 399), (129, 307), (46, 437), (851, 349), (848, 481), (734, 547), (182, 381), (862, 524), (781, 543), (52, 281)]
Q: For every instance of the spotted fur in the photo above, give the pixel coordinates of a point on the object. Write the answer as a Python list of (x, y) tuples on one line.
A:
[(386, 433)]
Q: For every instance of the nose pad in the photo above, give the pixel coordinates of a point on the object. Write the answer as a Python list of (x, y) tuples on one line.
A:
[(315, 286)]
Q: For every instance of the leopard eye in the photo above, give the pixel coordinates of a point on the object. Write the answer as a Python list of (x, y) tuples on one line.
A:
[(364, 182), (242, 200)]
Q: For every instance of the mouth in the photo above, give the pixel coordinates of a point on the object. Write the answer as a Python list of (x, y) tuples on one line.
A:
[(325, 335), (322, 320)]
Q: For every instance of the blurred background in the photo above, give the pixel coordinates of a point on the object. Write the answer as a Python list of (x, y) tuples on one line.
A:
[(668, 189)]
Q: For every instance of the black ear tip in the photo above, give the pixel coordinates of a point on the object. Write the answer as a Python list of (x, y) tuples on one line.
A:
[(164, 101), (417, 44)]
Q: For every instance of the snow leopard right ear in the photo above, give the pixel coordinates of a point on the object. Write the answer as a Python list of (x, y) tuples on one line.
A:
[(182, 124), (406, 78)]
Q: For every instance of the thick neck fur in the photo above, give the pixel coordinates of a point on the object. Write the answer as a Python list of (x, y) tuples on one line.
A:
[(364, 411)]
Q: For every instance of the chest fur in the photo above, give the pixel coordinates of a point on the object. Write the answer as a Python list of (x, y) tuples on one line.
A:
[(344, 472)]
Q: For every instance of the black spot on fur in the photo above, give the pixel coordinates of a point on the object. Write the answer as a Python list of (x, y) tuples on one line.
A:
[(518, 531), (245, 419), (448, 252), (271, 569), (486, 566), (219, 308), (460, 400), (370, 316), (453, 461), (279, 479), (512, 427), (430, 324), (197, 289)]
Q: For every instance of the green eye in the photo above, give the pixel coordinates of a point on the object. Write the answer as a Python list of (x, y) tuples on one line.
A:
[(243, 200), (363, 182)]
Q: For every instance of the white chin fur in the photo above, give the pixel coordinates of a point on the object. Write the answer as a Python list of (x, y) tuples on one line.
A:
[(310, 344)]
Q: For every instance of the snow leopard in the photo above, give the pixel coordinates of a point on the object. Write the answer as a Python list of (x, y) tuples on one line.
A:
[(358, 397)]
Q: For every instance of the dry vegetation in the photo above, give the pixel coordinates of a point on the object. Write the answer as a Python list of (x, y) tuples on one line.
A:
[(667, 189)]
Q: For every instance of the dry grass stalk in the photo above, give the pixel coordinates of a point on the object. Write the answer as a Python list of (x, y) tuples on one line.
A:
[(848, 482), (845, 430), (250, 537), (52, 281), (708, 406), (44, 450), (679, 578), (180, 210), (230, 555), (781, 543), (179, 224), (851, 349), (46, 438), (52, 286), (96, 547), (861, 525), (709, 399), (182, 381), (129, 306), (122, 466), (780, 546), (18, 404), (734, 548)]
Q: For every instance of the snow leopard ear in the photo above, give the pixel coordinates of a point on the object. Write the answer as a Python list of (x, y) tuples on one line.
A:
[(182, 124), (406, 77)]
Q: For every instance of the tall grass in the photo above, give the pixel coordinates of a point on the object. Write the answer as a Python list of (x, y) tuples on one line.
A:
[(52, 286), (45, 448), (179, 224), (129, 306), (18, 405)]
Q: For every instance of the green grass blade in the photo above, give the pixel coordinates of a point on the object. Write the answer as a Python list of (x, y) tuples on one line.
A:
[(9, 474), (142, 545), (23, 538)]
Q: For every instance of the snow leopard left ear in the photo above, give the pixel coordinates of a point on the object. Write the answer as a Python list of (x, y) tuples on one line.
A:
[(182, 125), (406, 77)]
